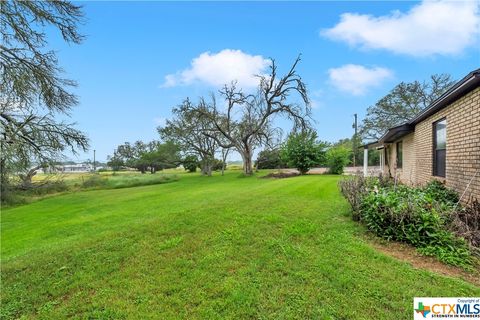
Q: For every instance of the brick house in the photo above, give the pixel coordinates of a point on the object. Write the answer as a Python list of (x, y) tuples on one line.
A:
[(442, 142)]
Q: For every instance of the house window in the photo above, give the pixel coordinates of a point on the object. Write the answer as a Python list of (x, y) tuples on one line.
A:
[(439, 147), (399, 154)]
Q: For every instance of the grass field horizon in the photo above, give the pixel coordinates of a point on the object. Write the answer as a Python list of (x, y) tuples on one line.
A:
[(220, 247)]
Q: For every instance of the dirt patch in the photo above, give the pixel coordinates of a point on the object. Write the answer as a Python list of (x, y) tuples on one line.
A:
[(408, 254), (281, 175)]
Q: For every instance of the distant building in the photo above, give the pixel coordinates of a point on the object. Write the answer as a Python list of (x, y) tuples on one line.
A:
[(78, 167), (71, 168)]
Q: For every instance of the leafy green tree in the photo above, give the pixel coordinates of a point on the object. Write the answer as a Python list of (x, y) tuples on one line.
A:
[(115, 162), (348, 143), (302, 150), (187, 130), (152, 156), (270, 159), (402, 103), (337, 158), (373, 155), (127, 154), (191, 163), (159, 156)]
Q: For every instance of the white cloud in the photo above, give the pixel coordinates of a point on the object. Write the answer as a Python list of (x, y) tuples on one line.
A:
[(220, 68), (357, 79), (429, 28)]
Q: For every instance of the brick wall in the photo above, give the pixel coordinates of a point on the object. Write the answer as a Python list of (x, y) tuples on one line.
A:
[(463, 145), (463, 148), (406, 174)]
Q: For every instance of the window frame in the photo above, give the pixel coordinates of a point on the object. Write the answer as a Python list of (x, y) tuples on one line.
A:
[(399, 160), (435, 172)]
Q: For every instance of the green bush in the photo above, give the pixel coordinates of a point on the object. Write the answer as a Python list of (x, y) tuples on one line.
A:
[(417, 216), (302, 151), (190, 163), (269, 159), (438, 191), (218, 164), (337, 159)]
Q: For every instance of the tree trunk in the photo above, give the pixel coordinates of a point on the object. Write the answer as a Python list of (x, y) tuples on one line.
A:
[(4, 179), (224, 159), (27, 178), (247, 161), (206, 167)]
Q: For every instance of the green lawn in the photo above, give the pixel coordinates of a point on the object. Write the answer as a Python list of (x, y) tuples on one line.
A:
[(212, 248)]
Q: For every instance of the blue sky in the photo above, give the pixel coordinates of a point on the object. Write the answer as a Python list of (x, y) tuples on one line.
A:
[(142, 58)]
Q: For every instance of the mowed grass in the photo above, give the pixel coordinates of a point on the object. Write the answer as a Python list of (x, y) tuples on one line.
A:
[(209, 248)]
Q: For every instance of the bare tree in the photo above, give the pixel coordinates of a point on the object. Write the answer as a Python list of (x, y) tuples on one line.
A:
[(246, 120)]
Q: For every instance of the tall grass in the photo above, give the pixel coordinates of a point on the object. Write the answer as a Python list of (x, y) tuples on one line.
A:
[(47, 185), (125, 181)]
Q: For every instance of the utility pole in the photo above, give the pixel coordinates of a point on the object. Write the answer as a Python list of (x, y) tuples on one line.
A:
[(94, 163), (355, 141)]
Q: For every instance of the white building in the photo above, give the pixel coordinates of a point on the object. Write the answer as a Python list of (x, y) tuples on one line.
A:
[(71, 168)]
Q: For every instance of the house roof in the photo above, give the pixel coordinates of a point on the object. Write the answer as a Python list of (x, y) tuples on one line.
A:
[(396, 132), (459, 89)]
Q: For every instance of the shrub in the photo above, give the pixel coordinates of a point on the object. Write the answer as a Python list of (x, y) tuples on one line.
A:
[(337, 159), (190, 163), (466, 224), (438, 191), (218, 164), (269, 159), (354, 189), (421, 217), (302, 151)]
